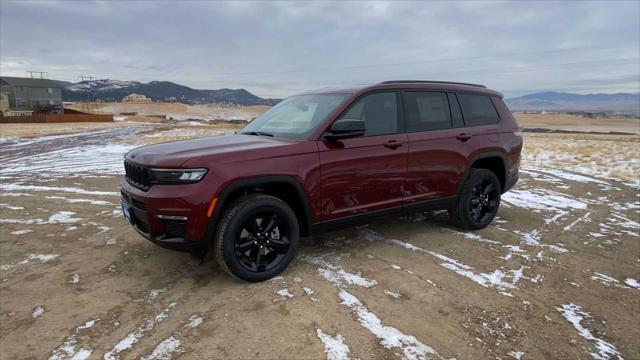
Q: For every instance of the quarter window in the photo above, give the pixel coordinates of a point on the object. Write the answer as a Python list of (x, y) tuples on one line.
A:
[(427, 111), (477, 109), (379, 112)]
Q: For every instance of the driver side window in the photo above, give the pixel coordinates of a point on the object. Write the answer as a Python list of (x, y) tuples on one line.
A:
[(379, 112)]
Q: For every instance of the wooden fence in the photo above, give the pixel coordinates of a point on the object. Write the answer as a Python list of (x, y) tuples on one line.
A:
[(65, 118)]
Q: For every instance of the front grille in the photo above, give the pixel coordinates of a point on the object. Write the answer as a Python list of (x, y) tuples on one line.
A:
[(131, 201), (137, 175)]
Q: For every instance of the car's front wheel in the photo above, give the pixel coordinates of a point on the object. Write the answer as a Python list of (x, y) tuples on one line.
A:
[(257, 237), (478, 201)]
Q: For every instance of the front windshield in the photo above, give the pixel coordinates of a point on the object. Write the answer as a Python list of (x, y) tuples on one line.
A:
[(295, 117)]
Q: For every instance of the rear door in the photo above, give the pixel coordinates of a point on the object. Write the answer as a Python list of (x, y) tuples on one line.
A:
[(367, 173), (439, 145), (482, 119)]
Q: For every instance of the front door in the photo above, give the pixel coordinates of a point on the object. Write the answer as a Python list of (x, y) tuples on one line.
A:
[(367, 173)]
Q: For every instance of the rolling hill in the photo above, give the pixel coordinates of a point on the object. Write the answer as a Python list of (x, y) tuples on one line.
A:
[(114, 90), (628, 103)]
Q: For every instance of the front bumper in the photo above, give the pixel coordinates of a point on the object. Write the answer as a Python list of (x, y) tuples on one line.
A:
[(183, 201)]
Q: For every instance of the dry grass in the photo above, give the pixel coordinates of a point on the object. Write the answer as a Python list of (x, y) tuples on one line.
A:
[(182, 132), (176, 111), (578, 123), (31, 130), (611, 156)]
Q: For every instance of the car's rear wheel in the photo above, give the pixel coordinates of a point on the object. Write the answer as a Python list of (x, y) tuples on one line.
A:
[(257, 237), (479, 200)]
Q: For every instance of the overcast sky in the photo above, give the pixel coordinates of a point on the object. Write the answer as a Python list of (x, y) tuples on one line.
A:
[(274, 49)]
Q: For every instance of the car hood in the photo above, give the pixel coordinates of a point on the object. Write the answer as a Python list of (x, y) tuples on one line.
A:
[(199, 152)]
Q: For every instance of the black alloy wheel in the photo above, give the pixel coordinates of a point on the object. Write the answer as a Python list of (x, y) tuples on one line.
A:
[(263, 241), (256, 237), (478, 201), (483, 201)]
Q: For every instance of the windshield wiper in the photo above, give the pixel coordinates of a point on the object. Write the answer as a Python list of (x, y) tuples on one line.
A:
[(259, 133)]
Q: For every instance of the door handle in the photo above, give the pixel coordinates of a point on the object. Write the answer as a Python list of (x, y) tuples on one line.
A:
[(463, 137), (393, 144)]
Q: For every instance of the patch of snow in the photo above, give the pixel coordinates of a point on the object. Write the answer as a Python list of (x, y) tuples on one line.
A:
[(154, 293), (284, 293), (539, 200), (133, 337), (393, 294), (37, 312), (21, 232), (101, 159), (334, 347), (516, 354), (11, 207), (474, 237), (575, 315), (87, 325), (390, 337), (164, 349), (20, 187), (632, 283), (75, 278), (68, 351), (496, 279), (194, 321), (79, 201), (337, 275), (607, 280), (63, 217), (310, 293), (567, 175)]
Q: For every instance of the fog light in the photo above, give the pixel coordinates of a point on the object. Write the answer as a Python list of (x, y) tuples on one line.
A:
[(172, 217)]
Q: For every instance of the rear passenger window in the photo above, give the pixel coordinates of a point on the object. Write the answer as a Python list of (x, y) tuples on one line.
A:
[(477, 109), (426, 111), (379, 112)]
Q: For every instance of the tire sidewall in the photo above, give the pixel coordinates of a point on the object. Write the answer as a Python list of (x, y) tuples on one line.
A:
[(476, 176), (233, 226)]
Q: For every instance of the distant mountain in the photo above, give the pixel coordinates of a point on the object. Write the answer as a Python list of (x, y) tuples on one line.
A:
[(115, 90), (561, 101)]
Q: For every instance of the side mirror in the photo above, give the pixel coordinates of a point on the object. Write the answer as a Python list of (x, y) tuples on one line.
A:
[(345, 129)]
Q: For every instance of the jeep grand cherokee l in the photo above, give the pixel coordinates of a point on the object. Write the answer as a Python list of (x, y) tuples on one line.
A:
[(325, 159)]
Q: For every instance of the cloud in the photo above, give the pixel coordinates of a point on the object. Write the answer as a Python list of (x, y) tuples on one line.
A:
[(278, 48)]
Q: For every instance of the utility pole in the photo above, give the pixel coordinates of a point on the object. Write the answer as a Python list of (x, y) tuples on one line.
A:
[(37, 72)]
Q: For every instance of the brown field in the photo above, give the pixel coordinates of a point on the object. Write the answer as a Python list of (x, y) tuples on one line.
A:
[(31, 130), (555, 276), (176, 111), (578, 123)]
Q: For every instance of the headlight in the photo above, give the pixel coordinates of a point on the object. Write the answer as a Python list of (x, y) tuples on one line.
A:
[(176, 176)]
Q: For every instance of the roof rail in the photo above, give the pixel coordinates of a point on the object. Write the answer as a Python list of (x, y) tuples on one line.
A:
[(430, 82)]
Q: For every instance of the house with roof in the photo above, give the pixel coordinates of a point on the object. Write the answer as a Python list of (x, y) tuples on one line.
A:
[(136, 98), (36, 95)]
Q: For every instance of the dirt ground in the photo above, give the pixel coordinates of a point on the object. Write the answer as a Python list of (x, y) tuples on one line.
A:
[(555, 276), (176, 111)]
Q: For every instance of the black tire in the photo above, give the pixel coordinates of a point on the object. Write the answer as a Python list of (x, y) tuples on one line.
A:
[(478, 202), (243, 248)]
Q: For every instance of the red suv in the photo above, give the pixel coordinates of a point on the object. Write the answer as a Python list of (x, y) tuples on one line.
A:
[(324, 159)]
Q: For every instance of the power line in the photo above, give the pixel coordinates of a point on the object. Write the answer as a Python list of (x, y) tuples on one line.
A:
[(481, 71), (37, 72), (503, 54)]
